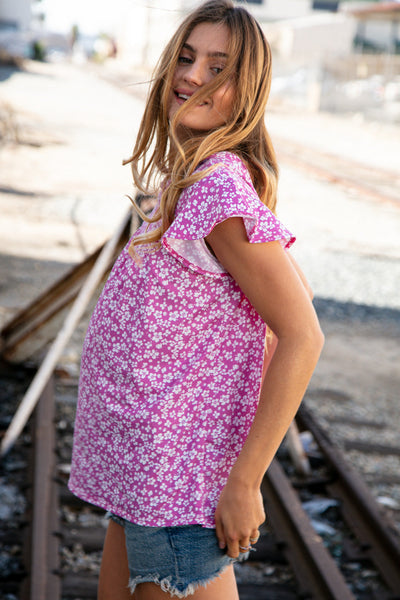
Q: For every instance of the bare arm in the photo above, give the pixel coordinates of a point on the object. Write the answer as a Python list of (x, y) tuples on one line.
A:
[(301, 275), (272, 341), (272, 284)]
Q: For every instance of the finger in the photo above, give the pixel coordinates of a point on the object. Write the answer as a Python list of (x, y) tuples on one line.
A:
[(220, 535), (244, 546), (254, 536), (233, 549)]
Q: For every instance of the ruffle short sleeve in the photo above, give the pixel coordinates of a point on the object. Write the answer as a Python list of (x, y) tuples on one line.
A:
[(224, 193)]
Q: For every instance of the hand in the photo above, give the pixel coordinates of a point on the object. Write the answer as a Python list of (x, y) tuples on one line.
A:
[(239, 514)]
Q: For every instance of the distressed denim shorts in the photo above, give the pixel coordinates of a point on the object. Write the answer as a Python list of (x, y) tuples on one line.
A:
[(178, 559)]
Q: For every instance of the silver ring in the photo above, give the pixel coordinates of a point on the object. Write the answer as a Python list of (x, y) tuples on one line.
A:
[(254, 540), (244, 548)]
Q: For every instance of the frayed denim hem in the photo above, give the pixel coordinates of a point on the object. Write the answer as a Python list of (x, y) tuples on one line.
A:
[(243, 556), (109, 516), (166, 585)]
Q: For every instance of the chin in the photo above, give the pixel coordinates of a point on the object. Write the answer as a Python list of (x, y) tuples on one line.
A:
[(196, 131), (185, 132)]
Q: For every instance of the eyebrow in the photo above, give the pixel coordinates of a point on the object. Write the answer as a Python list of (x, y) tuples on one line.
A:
[(211, 54)]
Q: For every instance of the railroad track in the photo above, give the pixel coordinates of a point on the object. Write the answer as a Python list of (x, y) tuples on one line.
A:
[(53, 547), (60, 537), (374, 183)]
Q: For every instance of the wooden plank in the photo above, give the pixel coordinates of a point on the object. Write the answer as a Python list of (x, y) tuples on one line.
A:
[(90, 538), (49, 363), (30, 331), (273, 591), (80, 586)]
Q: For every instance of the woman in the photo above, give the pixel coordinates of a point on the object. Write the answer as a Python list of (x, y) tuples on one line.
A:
[(175, 427)]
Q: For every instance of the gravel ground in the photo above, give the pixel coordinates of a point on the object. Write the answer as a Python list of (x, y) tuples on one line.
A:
[(62, 194)]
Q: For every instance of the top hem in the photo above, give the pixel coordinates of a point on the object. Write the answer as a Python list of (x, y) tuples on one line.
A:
[(203, 521)]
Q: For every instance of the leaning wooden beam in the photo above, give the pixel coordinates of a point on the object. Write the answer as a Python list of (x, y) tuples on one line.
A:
[(31, 330), (26, 333), (46, 368)]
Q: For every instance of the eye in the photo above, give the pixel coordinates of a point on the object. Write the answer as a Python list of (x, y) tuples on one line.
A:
[(185, 60), (217, 70)]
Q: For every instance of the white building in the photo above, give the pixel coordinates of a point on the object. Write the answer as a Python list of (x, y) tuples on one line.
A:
[(311, 37), (293, 28), (145, 29), (147, 25)]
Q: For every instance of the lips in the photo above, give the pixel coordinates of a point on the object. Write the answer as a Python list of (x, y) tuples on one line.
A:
[(182, 96)]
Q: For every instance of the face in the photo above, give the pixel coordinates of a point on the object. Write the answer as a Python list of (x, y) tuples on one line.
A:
[(202, 57)]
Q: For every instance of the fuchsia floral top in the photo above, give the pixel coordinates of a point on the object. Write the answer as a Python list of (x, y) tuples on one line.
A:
[(171, 364)]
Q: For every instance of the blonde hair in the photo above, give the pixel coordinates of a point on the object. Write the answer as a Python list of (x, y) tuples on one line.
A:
[(159, 156)]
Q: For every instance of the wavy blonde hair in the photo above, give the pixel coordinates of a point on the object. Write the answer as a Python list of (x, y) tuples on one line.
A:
[(161, 158)]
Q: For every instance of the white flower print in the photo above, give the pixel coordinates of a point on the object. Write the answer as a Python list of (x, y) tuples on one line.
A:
[(171, 364)]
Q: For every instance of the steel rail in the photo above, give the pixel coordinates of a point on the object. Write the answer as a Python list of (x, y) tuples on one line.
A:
[(377, 184), (374, 532), (31, 328), (42, 582), (317, 574)]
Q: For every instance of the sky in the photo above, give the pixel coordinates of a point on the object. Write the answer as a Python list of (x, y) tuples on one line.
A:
[(92, 16)]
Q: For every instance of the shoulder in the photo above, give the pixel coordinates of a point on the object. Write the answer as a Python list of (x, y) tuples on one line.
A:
[(223, 188), (226, 165), (222, 175)]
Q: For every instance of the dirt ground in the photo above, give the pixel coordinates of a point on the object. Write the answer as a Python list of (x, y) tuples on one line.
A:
[(65, 133)]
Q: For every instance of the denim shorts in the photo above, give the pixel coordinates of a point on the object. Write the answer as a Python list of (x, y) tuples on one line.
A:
[(178, 559)]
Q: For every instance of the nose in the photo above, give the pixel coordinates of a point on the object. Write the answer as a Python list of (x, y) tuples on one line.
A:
[(195, 74)]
